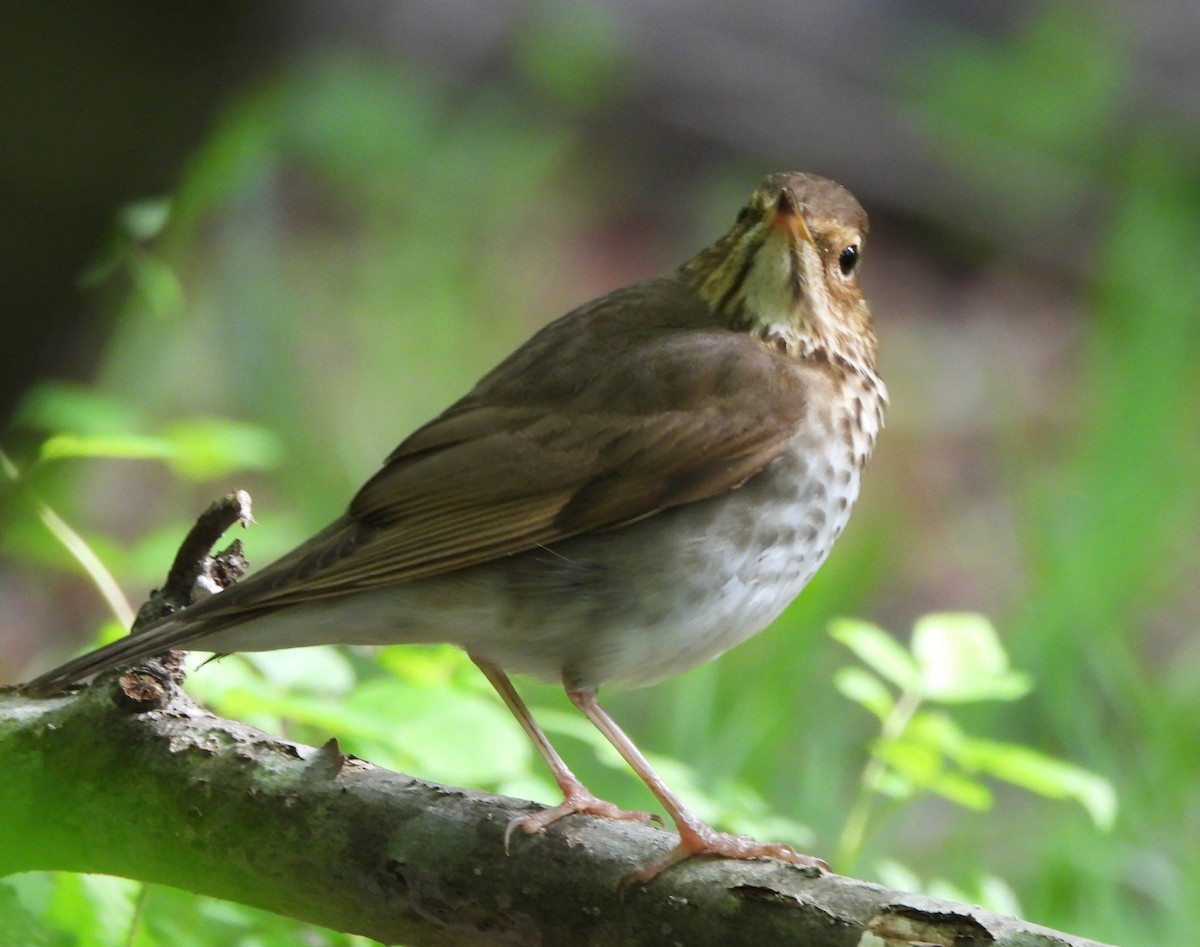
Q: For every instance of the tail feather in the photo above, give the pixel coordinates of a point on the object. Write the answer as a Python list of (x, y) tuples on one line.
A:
[(126, 650), (171, 632)]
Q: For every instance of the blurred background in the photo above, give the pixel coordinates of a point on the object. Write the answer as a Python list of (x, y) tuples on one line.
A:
[(255, 244)]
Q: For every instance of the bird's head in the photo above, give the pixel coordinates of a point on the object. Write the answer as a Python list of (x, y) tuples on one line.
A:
[(788, 269)]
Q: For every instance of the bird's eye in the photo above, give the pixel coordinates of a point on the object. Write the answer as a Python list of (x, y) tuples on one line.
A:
[(848, 260)]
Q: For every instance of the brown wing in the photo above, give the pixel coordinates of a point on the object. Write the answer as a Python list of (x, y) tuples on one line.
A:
[(684, 419), (591, 425)]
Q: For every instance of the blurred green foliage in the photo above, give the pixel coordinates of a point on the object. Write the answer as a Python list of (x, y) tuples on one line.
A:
[(60, 909), (954, 659), (357, 243), (1109, 515)]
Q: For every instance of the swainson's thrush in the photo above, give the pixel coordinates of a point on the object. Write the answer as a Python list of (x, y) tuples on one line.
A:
[(645, 483)]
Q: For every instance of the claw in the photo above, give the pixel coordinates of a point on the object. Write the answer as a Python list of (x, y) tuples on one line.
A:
[(581, 803), (508, 831), (700, 839)]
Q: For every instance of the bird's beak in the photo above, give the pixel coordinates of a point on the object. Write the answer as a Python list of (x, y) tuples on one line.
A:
[(790, 217)]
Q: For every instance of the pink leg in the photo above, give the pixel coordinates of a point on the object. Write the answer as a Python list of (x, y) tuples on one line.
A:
[(576, 796), (695, 837)]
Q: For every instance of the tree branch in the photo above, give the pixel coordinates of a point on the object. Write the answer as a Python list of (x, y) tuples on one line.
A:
[(130, 778)]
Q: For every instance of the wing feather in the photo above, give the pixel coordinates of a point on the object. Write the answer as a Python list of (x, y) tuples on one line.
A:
[(485, 480), (633, 404)]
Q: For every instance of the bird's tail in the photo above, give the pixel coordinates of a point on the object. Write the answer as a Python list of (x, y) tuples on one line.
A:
[(125, 651), (167, 633)]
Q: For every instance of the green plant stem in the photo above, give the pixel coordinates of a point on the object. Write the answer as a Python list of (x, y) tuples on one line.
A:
[(77, 546), (139, 909), (854, 832)]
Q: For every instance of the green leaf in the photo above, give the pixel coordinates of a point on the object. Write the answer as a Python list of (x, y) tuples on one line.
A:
[(924, 765), (145, 219), (866, 689), (991, 892), (57, 407), (400, 725), (125, 446), (440, 732), (428, 665), (917, 762), (960, 659), (893, 785), (212, 447), (995, 894), (199, 448), (878, 650), (562, 723), (22, 927), (96, 909), (312, 670), (157, 284), (962, 790), (1045, 775), (936, 730), (110, 631), (897, 875)]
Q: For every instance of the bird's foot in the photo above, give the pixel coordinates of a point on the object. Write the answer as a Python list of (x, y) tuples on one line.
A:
[(578, 800), (697, 838)]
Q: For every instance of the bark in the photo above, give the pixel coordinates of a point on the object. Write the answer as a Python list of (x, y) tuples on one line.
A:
[(128, 778)]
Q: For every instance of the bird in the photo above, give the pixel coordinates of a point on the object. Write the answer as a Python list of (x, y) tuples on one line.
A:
[(646, 482)]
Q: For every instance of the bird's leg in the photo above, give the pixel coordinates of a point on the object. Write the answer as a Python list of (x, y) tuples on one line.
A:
[(695, 837), (576, 796)]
